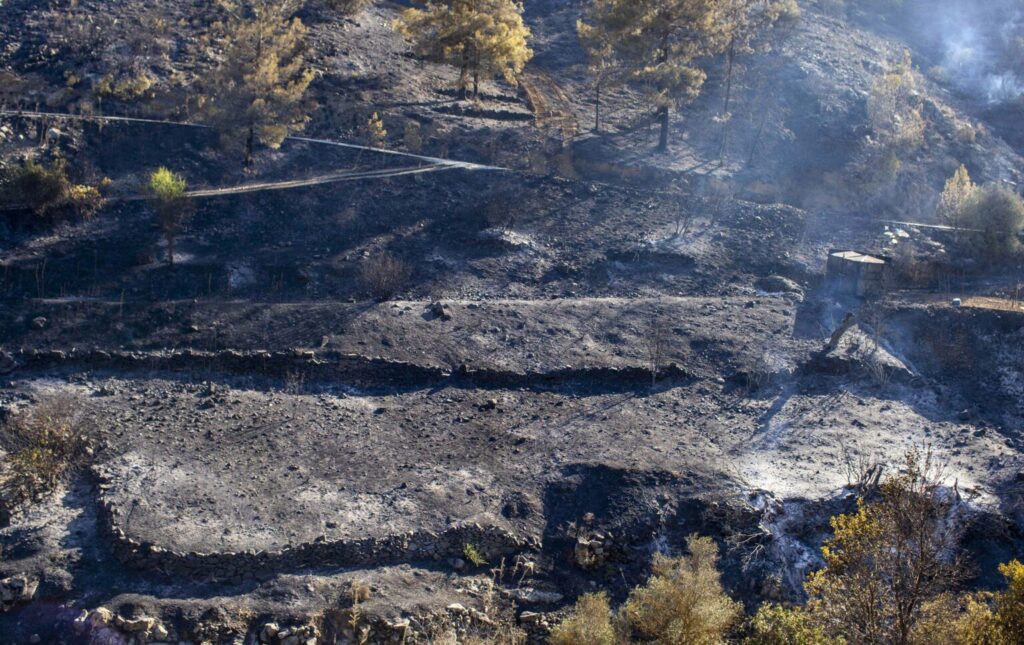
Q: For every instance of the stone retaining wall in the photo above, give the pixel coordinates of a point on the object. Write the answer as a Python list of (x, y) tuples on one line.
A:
[(410, 546), (328, 365)]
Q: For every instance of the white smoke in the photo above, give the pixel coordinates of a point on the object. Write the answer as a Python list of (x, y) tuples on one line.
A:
[(975, 38)]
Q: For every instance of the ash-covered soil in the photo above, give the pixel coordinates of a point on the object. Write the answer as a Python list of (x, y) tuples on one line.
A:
[(631, 352)]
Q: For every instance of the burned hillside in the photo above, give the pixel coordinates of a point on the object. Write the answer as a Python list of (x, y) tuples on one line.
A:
[(369, 339)]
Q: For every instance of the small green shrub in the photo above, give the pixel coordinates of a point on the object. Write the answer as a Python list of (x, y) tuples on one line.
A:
[(127, 88), (42, 189), (471, 553)]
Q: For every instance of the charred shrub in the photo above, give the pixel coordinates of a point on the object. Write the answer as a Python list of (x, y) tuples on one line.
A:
[(42, 447), (382, 276), (347, 7)]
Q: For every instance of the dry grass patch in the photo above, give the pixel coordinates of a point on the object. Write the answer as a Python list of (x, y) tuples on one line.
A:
[(42, 446)]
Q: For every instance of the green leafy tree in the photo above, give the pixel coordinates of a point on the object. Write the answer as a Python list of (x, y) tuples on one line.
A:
[(257, 94), (170, 202), (749, 23), (483, 38), (997, 214)]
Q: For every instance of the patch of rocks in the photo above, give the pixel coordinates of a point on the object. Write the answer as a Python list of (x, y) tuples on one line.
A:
[(592, 549), (273, 634), (103, 625)]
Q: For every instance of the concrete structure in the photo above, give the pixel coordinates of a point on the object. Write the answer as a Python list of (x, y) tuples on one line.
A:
[(856, 273)]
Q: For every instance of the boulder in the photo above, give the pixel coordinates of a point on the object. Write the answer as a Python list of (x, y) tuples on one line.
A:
[(16, 590), (779, 284)]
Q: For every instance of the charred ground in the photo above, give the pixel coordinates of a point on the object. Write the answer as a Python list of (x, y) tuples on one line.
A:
[(269, 434)]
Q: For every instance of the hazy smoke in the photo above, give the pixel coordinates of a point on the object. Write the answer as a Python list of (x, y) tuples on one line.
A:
[(978, 41)]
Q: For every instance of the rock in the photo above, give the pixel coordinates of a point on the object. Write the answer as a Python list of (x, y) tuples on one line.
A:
[(159, 632), (779, 284), (7, 363), (535, 596), (81, 623), (590, 552), (438, 311), (502, 237), (143, 624), (456, 608), (16, 590), (102, 616)]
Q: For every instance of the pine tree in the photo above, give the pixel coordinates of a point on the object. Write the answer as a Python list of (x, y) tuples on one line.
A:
[(258, 92), (661, 43), (483, 38), (603, 65), (749, 23)]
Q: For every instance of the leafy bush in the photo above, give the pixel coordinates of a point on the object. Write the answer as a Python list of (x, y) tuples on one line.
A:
[(381, 276), (43, 446), (589, 623), (127, 88), (776, 625), (683, 602), (40, 188), (48, 192), (887, 563), (894, 107), (995, 619), (998, 214)]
